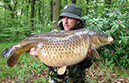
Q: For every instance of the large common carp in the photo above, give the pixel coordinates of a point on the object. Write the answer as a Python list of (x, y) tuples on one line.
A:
[(59, 49)]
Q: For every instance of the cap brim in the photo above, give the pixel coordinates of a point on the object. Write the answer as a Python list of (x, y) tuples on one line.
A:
[(70, 15)]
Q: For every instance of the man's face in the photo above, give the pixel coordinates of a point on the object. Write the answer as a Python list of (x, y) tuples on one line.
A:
[(69, 23)]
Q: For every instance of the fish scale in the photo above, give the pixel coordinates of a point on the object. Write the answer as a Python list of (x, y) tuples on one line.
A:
[(69, 51), (59, 54), (59, 49)]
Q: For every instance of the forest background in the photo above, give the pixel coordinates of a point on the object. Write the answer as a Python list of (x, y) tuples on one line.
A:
[(21, 18)]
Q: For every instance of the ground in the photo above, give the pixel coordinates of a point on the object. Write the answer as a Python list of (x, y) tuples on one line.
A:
[(97, 73)]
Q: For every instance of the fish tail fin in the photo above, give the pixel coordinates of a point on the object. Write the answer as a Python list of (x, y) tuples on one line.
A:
[(11, 55), (5, 52)]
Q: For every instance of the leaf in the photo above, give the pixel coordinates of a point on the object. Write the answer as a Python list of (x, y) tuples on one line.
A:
[(123, 25)]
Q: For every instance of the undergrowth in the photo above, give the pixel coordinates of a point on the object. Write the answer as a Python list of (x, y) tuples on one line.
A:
[(30, 69)]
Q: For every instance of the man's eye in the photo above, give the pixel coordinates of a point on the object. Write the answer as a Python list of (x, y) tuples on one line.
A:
[(70, 18)]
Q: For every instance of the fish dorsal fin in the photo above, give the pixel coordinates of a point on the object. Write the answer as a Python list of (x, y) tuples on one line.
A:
[(95, 53), (62, 70)]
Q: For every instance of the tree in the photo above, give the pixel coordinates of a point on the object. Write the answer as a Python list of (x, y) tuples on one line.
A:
[(9, 7), (51, 7), (55, 12), (32, 14), (39, 9), (87, 7), (74, 1)]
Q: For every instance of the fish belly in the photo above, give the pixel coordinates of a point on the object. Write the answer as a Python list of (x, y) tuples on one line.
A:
[(64, 54)]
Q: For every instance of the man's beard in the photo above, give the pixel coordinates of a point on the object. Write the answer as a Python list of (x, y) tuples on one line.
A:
[(76, 27)]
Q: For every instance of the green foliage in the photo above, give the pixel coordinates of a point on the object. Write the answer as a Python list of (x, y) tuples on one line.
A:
[(112, 20), (109, 18), (15, 21)]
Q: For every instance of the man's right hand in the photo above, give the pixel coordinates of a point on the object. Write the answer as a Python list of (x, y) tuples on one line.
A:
[(33, 52), (88, 54)]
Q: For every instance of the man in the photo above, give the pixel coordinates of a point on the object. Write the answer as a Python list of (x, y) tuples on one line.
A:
[(70, 20)]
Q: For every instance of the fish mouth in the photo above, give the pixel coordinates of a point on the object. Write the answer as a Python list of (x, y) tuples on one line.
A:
[(110, 39)]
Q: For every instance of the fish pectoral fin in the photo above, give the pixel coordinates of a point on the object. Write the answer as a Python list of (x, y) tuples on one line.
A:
[(95, 53), (61, 70)]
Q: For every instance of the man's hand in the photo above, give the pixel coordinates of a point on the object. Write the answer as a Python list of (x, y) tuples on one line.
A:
[(33, 52), (88, 54)]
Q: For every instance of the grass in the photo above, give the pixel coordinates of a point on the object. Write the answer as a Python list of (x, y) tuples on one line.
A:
[(27, 68), (100, 72), (30, 69)]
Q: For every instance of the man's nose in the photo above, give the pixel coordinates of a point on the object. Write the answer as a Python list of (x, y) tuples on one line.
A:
[(65, 20)]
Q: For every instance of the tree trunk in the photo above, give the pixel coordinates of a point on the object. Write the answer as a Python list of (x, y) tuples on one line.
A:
[(15, 9), (51, 6), (56, 12), (87, 7), (27, 8), (32, 14), (74, 1), (39, 11), (66, 1)]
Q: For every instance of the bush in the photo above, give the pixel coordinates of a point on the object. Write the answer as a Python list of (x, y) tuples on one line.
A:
[(113, 21), (110, 18)]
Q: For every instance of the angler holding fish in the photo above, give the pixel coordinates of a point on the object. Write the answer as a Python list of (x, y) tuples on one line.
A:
[(70, 20), (66, 53)]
